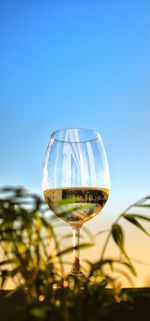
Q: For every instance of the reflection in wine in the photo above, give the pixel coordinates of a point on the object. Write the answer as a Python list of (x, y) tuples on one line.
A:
[(76, 205)]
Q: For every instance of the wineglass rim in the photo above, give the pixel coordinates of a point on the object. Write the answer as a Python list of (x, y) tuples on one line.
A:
[(91, 134)]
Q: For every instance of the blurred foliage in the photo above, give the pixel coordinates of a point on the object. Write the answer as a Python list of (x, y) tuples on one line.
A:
[(32, 257)]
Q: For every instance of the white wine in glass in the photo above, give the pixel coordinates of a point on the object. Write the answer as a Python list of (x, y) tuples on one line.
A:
[(76, 179)]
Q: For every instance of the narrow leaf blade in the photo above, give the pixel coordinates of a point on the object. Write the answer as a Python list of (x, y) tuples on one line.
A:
[(117, 234), (132, 220), (138, 216), (70, 249)]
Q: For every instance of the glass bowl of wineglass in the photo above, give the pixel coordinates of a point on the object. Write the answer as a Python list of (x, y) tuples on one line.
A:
[(76, 180)]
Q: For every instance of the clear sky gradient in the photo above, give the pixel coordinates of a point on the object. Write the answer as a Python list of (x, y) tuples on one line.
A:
[(76, 64)]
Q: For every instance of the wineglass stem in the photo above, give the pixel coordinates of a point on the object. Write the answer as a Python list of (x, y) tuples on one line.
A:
[(75, 270)]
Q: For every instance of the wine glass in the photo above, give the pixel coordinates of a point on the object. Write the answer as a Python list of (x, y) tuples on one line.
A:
[(76, 180)]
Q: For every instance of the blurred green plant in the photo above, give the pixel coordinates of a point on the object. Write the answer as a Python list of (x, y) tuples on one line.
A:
[(32, 257)]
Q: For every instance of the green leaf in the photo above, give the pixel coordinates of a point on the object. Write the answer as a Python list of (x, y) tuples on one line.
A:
[(128, 259), (98, 265), (110, 261), (143, 205), (117, 234), (132, 220), (68, 210), (70, 249), (64, 211), (69, 200), (138, 216), (130, 267), (68, 236)]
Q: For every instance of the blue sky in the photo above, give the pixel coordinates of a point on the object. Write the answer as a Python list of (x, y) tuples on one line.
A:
[(76, 64)]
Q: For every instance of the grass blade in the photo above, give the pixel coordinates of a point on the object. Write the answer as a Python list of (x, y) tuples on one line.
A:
[(132, 220), (143, 205), (70, 249), (138, 216), (117, 234)]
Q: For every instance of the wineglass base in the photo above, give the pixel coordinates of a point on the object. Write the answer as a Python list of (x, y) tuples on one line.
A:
[(78, 275), (75, 270)]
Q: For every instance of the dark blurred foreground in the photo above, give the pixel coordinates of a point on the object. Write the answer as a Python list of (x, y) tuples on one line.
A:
[(135, 309), (32, 256)]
